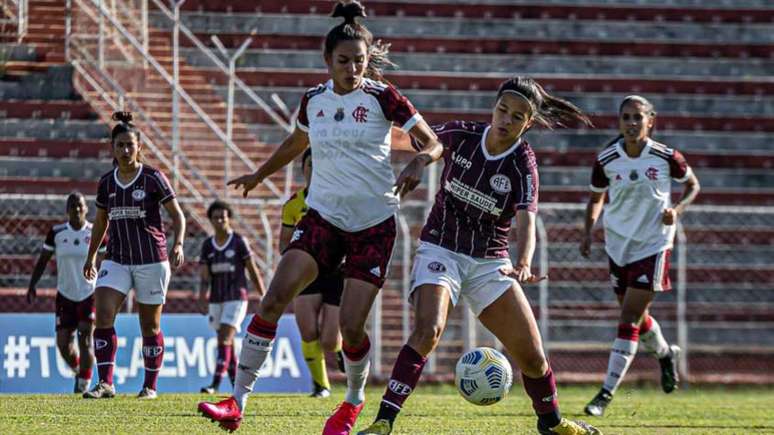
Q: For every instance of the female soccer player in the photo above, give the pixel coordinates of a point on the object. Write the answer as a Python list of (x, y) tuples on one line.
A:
[(75, 295), (317, 307), (639, 230), (224, 258), (490, 176), (352, 201), (129, 199)]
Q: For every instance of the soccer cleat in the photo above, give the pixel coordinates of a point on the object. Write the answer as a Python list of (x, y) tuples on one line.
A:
[(102, 390), (81, 385), (209, 389), (340, 361), (670, 376), (226, 413), (379, 427), (570, 427), (598, 404), (147, 394), (320, 392), (343, 419)]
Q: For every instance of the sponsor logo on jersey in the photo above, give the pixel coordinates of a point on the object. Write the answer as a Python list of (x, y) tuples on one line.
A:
[(230, 253), (339, 116), (500, 183), (436, 267), (473, 197), (119, 213), (222, 268), (399, 388), (138, 194), (461, 161), (360, 114), (530, 193), (651, 173)]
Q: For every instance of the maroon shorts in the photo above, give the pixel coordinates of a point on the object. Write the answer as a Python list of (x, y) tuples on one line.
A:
[(650, 273), (367, 252), (70, 313)]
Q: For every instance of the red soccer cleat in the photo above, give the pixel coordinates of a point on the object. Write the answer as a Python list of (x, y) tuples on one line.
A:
[(226, 412), (343, 419)]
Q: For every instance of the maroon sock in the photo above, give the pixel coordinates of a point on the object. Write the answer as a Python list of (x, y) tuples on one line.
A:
[(153, 355), (222, 363), (105, 345), (232, 366), (84, 373), (542, 391), (405, 376)]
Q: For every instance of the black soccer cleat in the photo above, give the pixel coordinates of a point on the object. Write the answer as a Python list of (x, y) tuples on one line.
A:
[(598, 404), (320, 392), (670, 376)]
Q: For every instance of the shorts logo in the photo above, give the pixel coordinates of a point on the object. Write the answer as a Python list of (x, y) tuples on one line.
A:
[(652, 173), (229, 253), (500, 183), (376, 271), (296, 235), (436, 267), (399, 388), (614, 280), (138, 195), (100, 343), (157, 292), (152, 351), (103, 273), (643, 279)]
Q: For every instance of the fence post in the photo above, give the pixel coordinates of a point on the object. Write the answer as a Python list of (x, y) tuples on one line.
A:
[(68, 28), (376, 335), (101, 39), (145, 31), (682, 279), (175, 94)]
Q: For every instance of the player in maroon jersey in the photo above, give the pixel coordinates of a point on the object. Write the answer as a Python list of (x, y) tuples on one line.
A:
[(225, 257), (129, 202), (637, 173), (353, 198), (490, 177)]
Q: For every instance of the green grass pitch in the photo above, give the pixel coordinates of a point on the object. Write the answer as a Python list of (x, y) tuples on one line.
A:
[(431, 410)]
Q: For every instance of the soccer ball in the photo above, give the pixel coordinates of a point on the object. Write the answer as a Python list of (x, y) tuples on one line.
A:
[(483, 376)]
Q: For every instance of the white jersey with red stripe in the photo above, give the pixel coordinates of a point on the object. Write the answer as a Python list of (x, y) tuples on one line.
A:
[(71, 246), (352, 185), (639, 191)]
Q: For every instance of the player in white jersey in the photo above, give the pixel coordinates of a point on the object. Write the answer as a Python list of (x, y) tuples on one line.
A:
[(637, 173), (74, 306), (352, 200)]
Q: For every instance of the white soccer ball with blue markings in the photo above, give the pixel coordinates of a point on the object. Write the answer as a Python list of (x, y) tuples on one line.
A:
[(483, 376)]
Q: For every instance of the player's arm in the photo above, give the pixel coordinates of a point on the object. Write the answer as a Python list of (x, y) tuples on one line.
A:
[(255, 277), (178, 226), (690, 192), (37, 272), (291, 147), (204, 286), (98, 231), (431, 151), (525, 245), (593, 210)]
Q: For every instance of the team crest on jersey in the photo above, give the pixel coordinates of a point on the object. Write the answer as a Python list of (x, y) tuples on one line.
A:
[(436, 267), (339, 116), (138, 194), (76, 242), (360, 114), (652, 173), (500, 183), (229, 253)]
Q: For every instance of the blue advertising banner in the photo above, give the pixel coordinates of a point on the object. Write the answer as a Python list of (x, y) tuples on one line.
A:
[(32, 364)]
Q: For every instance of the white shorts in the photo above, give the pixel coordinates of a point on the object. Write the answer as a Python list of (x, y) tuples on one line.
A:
[(149, 281), (227, 313), (477, 281)]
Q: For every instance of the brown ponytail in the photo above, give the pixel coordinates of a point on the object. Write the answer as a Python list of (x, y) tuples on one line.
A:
[(547, 110)]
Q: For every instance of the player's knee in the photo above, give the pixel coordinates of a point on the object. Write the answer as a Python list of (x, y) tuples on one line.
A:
[(329, 344), (425, 337), (351, 331), (308, 333), (534, 366)]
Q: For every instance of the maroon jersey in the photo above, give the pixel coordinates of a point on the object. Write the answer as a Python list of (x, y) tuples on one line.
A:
[(227, 267), (479, 193), (136, 232)]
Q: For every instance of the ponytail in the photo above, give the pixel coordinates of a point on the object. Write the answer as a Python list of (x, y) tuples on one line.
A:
[(547, 110)]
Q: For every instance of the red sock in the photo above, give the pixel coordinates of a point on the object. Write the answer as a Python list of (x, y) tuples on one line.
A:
[(262, 328), (153, 356), (646, 324), (105, 345), (358, 352), (222, 363), (83, 373), (405, 376), (542, 391)]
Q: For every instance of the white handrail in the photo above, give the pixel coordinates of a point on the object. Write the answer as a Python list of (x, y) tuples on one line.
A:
[(682, 287), (543, 286)]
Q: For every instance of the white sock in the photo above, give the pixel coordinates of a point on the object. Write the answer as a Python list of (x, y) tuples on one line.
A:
[(621, 357), (653, 341), (255, 349), (357, 375)]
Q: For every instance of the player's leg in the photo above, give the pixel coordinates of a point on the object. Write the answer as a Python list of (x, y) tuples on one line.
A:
[(432, 305), (152, 347), (226, 334), (86, 350), (509, 317), (108, 301), (307, 307), (66, 324), (330, 335)]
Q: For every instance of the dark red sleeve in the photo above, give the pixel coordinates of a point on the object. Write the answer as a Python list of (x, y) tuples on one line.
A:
[(444, 132), (599, 181), (102, 193), (397, 108), (529, 183), (165, 192), (244, 247), (303, 119), (678, 167)]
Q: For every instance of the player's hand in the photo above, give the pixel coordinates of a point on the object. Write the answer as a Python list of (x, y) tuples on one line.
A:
[(177, 256), (32, 294), (247, 182), (89, 271), (585, 246), (522, 274), (669, 217), (411, 175)]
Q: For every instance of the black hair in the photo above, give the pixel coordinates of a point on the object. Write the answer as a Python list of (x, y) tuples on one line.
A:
[(72, 197), (124, 125), (219, 205), (307, 155), (351, 30), (635, 99), (547, 110)]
